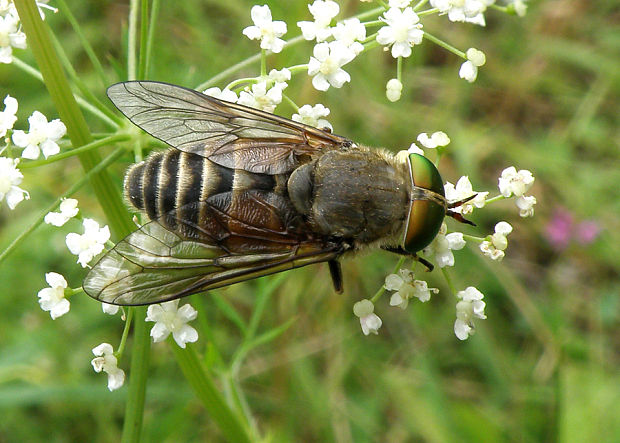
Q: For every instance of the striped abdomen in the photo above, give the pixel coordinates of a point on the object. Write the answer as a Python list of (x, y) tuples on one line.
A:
[(169, 182)]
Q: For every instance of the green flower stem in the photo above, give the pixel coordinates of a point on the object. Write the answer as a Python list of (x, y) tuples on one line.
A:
[(263, 62), (420, 4), (473, 238), (40, 43), (77, 81), (140, 356), (399, 68), (494, 199), (298, 68), (66, 154), (290, 102), (121, 345), (144, 29), (81, 182), (151, 35), (444, 45), (499, 8), (241, 81), (201, 381), (374, 23), (381, 290), (83, 103), (132, 39), (428, 12), (66, 11), (446, 275)]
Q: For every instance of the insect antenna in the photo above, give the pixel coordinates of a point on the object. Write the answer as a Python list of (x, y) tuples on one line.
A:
[(457, 215)]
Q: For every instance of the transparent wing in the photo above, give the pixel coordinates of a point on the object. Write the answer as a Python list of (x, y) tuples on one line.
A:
[(228, 134), (156, 264)]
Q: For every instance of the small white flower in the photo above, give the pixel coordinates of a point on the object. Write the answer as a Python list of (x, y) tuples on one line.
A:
[(106, 361), (469, 306), (393, 89), (53, 299), (443, 245), (350, 32), (10, 177), (68, 210), (370, 322), (7, 117), (265, 29), (222, 94), (415, 149), (42, 136), (436, 139), (169, 318), (10, 37), (281, 76), (313, 116), (513, 182), (463, 190), (109, 309), (469, 69), (526, 204), (323, 13), (89, 244), (519, 7), (325, 66), (470, 11), (261, 98), (402, 31), (406, 287), (496, 244)]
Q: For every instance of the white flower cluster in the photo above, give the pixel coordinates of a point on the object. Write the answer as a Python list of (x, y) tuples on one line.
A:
[(11, 35), (86, 246), (517, 183), (461, 191), (470, 11), (495, 245), (106, 361), (170, 319), (370, 322), (265, 29), (402, 31), (407, 287), (469, 307), (442, 246)]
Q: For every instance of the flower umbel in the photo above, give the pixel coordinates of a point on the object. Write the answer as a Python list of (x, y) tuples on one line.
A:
[(169, 318), (42, 136), (469, 69), (10, 36), (323, 13), (443, 245), (89, 244), (225, 94), (265, 29), (312, 115), (10, 177), (261, 98), (106, 361), (437, 139), (513, 182), (406, 287), (370, 322), (469, 306), (496, 244), (326, 65), (402, 31), (462, 191), (68, 209), (53, 299)]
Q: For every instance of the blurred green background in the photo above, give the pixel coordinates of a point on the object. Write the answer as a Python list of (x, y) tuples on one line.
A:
[(542, 367)]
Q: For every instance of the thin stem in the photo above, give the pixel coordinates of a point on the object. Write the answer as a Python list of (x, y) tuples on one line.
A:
[(144, 25), (83, 103), (494, 199), (444, 45), (420, 4), (132, 40), (77, 151), (263, 62), (240, 81), (121, 346), (151, 36), (85, 43), (428, 12), (290, 102), (399, 69), (446, 275), (201, 381), (72, 190), (140, 356), (473, 238), (380, 292)]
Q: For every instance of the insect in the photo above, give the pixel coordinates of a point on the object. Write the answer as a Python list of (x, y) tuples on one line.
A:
[(244, 193)]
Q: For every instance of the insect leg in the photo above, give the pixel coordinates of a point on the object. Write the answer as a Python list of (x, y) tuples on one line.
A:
[(335, 270)]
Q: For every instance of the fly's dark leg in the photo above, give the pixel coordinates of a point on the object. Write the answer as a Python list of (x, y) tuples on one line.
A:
[(335, 270), (401, 251)]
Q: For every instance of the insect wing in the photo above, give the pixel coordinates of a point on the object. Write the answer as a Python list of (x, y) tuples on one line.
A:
[(231, 135), (155, 264)]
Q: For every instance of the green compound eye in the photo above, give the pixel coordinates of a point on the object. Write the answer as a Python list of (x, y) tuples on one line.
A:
[(426, 213)]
